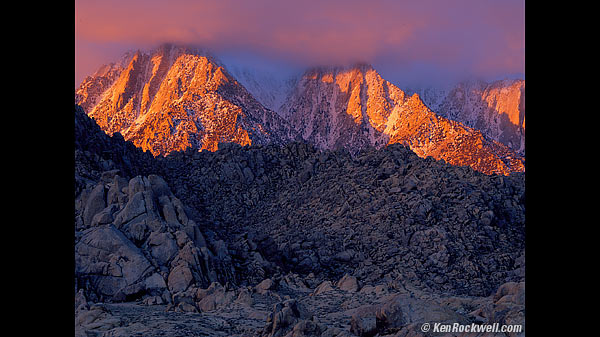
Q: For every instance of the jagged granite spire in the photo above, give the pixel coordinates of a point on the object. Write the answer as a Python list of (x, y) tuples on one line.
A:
[(173, 98), (355, 108)]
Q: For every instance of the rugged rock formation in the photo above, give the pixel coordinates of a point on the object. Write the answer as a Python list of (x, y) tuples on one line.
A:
[(135, 239), (289, 241), (354, 108), (497, 109), (173, 98), (327, 212), (388, 311), (96, 153)]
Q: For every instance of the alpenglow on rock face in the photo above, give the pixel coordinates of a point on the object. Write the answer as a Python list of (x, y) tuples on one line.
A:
[(355, 107), (497, 109), (173, 98)]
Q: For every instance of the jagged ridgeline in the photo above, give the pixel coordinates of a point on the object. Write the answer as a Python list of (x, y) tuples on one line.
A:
[(351, 239), (173, 98)]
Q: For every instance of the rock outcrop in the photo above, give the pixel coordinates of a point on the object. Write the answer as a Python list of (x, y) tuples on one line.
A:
[(289, 241), (497, 109), (135, 240), (355, 108), (173, 98), (375, 213)]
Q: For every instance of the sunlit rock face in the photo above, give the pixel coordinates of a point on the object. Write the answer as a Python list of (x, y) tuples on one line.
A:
[(355, 107), (174, 98), (341, 107), (497, 109)]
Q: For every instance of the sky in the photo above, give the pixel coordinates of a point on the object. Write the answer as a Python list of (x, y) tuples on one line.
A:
[(416, 42)]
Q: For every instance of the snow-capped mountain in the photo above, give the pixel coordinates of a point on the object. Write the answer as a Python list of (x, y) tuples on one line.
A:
[(172, 98), (497, 109), (354, 107)]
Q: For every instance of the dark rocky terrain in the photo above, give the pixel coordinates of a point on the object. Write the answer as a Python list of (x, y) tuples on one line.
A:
[(270, 240)]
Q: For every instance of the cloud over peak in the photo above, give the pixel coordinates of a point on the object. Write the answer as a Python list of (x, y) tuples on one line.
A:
[(482, 37)]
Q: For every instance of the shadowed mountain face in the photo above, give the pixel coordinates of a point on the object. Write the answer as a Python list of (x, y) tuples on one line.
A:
[(174, 98), (354, 108)]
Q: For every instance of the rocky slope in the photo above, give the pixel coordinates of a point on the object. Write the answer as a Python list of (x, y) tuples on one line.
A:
[(354, 108), (173, 98), (497, 109), (377, 212), (133, 237), (289, 241)]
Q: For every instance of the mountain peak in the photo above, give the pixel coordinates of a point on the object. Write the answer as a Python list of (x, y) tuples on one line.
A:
[(353, 107), (175, 97)]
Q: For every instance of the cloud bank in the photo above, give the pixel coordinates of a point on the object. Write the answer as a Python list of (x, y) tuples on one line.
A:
[(425, 39)]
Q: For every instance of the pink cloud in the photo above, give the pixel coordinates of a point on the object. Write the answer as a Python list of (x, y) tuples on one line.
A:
[(476, 35)]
